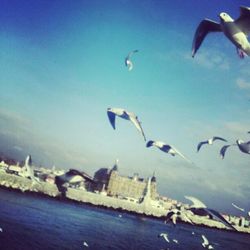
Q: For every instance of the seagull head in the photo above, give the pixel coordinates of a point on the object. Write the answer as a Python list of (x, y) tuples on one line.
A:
[(239, 142), (224, 17)]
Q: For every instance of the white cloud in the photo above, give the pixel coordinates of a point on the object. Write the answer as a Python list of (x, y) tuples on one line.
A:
[(211, 59), (242, 84)]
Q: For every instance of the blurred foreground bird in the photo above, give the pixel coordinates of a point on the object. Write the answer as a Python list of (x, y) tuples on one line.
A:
[(122, 113), (235, 30), (200, 208)]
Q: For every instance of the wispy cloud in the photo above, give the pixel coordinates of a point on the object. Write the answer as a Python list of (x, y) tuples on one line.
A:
[(243, 84), (211, 59)]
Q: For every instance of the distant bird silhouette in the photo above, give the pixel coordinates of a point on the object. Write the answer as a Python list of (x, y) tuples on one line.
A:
[(235, 30), (210, 141), (166, 148), (113, 112), (200, 208), (244, 147), (164, 236), (206, 243), (239, 208), (128, 62)]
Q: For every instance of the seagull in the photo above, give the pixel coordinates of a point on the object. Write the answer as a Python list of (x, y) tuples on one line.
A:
[(28, 169), (206, 243), (164, 236), (113, 112), (248, 213), (175, 241), (85, 244), (128, 62), (244, 147), (210, 141), (235, 30), (200, 208), (176, 213), (166, 148), (1, 230), (73, 176), (239, 208)]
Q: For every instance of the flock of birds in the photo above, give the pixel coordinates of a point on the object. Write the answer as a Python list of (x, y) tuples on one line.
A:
[(236, 31)]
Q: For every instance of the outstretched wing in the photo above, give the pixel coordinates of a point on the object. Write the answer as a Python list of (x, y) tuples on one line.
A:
[(221, 218), (219, 138), (196, 202), (202, 30), (243, 22), (223, 150), (200, 144), (111, 117), (137, 124)]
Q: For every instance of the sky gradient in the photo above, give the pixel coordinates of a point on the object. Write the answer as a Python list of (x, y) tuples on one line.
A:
[(62, 66)]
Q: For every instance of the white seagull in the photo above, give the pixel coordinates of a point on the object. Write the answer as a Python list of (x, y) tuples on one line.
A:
[(244, 147), (113, 112), (164, 236), (28, 169), (206, 243), (239, 208), (72, 176), (128, 62), (200, 208), (167, 149), (85, 244), (210, 141), (235, 30)]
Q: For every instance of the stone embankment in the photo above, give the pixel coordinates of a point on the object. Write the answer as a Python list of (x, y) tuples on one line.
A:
[(26, 185)]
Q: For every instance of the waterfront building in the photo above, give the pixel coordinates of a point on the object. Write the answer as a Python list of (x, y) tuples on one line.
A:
[(131, 188)]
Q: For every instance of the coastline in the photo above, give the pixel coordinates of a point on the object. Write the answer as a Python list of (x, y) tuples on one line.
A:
[(23, 184)]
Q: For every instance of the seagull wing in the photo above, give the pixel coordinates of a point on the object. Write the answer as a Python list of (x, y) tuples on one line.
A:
[(132, 52), (200, 144), (223, 150), (137, 124), (180, 154), (219, 138), (111, 117), (202, 30), (243, 22), (196, 202), (221, 218)]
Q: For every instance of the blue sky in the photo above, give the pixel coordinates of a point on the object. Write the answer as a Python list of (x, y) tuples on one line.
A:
[(62, 66)]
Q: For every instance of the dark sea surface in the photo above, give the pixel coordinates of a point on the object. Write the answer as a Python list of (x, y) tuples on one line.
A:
[(33, 222)]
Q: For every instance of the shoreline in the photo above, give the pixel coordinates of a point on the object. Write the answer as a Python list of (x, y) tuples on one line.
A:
[(44, 189)]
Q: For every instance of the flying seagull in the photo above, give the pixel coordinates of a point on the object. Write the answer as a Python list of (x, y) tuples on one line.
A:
[(85, 244), (176, 213), (72, 176), (239, 208), (128, 62), (206, 243), (244, 147), (28, 169), (167, 149), (200, 208), (235, 30), (210, 141), (113, 112), (164, 236)]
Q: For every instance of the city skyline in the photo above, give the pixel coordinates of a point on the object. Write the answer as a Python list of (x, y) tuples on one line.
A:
[(63, 66)]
